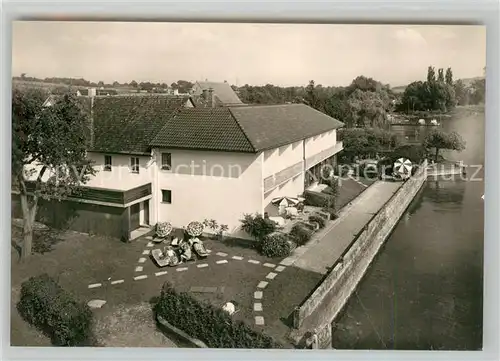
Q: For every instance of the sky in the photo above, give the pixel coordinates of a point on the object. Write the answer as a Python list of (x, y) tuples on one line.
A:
[(255, 54)]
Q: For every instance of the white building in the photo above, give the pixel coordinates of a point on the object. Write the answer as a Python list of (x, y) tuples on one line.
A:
[(162, 159)]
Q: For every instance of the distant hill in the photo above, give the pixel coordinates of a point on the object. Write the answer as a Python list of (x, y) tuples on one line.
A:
[(467, 82)]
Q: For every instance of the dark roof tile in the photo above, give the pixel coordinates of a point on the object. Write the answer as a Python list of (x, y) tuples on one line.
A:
[(203, 129), (271, 126), (128, 123)]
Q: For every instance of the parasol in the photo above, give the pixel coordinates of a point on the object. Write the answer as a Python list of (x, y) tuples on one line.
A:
[(403, 166), (285, 201)]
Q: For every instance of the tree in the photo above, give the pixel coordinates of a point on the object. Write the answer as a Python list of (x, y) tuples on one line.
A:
[(449, 77), (116, 84), (440, 78), (133, 84), (100, 83), (366, 142), (311, 95), (431, 74), (462, 93), (366, 109), (478, 91), (48, 152), (438, 140)]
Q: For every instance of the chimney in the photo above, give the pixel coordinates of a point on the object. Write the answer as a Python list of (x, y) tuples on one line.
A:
[(211, 102), (204, 94)]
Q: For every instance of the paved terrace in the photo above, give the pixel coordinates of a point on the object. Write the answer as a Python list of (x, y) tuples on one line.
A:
[(308, 265)]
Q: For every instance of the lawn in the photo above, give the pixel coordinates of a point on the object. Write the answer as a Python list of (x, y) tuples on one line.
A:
[(79, 260)]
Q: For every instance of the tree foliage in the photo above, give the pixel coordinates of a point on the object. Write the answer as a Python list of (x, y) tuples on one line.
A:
[(433, 94), (366, 142), (48, 152), (438, 140)]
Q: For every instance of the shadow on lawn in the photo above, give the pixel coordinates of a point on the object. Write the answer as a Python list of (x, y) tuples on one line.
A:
[(43, 240)]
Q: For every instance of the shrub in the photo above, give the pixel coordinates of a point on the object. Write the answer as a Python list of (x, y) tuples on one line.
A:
[(47, 306), (301, 234), (414, 152), (217, 229), (307, 225), (207, 323), (276, 245), (317, 199), (318, 219), (257, 226), (332, 212)]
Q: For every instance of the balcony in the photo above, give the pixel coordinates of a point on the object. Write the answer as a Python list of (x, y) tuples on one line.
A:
[(282, 176), (325, 154)]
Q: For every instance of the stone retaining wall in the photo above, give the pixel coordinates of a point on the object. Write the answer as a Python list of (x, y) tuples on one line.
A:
[(326, 302)]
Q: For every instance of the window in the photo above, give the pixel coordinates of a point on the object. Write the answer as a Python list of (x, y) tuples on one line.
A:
[(166, 161), (134, 164), (107, 163), (166, 196)]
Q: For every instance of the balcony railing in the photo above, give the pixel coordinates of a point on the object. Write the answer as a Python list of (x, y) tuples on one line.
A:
[(325, 154), (282, 176)]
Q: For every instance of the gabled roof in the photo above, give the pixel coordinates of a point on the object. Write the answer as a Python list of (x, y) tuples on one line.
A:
[(203, 129), (223, 91), (126, 124), (271, 126), (243, 128)]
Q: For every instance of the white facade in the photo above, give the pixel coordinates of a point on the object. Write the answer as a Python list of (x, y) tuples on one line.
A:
[(207, 185), (215, 185), (121, 176)]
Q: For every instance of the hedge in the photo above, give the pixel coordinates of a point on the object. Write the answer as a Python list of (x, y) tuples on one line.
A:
[(276, 245), (317, 199), (54, 311), (207, 323)]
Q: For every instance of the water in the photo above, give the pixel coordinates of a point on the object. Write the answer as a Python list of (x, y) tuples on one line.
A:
[(424, 289)]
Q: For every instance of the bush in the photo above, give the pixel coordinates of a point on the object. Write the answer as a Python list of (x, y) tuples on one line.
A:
[(318, 219), (257, 226), (207, 323), (276, 245), (317, 199), (48, 307), (414, 152), (301, 234)]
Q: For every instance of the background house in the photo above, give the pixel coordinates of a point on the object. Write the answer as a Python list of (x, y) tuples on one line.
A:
[(223, 93)]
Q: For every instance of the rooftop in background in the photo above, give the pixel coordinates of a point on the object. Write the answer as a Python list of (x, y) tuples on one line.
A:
[(222, 91)]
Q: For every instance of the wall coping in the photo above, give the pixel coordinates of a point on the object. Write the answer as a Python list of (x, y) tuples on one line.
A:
[(181, 334)]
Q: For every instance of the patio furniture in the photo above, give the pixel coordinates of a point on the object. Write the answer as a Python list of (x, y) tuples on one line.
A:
[(167, 257), (199, 248), (292, 211)]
